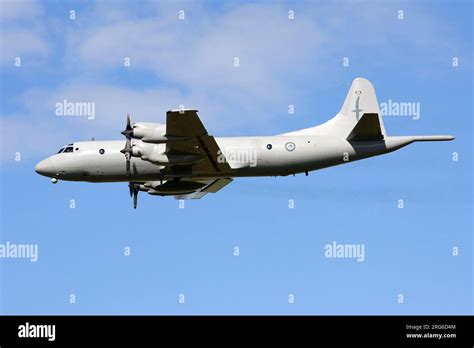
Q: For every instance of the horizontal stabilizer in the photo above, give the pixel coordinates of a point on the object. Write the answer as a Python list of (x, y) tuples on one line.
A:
[(434, 138), (396, 142), (367, 129)]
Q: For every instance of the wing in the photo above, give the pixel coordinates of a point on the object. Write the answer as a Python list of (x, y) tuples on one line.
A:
[(185, 124), (213, 186)]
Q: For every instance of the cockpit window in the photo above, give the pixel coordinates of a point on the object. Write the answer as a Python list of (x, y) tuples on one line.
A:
[(67, 148)]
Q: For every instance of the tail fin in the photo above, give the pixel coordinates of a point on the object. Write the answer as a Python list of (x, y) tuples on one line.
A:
[(359, 118)]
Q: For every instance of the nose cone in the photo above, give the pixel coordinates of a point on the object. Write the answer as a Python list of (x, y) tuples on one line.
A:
[(46, 168)]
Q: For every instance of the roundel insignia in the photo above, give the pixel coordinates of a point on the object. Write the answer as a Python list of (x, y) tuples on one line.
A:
[(290, 146)]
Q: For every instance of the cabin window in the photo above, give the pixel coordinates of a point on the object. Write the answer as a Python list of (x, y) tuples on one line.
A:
[(269, 146), (101, 151)]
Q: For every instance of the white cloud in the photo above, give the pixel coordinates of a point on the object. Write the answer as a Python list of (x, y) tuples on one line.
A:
[(199, 52), (19, 9), (21, 43), (23, 31)]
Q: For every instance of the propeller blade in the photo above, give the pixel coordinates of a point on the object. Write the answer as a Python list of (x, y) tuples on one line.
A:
[(128, 132), (128, 165), (127, 151), (135, 199), (133, 189)]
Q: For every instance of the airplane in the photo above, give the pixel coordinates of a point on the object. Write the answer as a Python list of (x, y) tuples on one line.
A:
[(181, 159)]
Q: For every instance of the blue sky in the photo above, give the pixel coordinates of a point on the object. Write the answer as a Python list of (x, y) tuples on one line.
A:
[(190, 251)]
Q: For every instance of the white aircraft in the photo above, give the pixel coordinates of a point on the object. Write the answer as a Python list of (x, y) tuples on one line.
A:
[(180, 158)]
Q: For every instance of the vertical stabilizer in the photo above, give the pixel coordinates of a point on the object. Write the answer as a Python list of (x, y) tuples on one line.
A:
[(360, 100)]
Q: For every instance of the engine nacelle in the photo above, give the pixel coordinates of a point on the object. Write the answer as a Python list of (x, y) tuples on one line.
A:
[(144, 150), (150, 132), (156, 154)]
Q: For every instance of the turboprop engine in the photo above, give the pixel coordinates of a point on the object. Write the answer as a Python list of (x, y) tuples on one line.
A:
[(153, 145), (149, 132), (156, 154), (153, 148)]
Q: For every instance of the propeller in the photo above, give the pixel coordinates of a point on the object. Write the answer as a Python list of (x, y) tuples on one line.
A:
[(127, 150), (128, 132), (133, 188)]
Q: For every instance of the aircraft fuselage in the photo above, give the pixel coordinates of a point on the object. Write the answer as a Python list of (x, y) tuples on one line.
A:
[(101, 161)]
